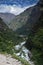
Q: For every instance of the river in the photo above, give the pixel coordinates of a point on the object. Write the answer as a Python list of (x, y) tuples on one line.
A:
[(23, 52)]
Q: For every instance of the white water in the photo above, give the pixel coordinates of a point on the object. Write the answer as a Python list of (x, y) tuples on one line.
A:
[(23, 52)]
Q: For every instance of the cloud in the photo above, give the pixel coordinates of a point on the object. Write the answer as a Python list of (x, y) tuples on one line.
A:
[(14, 9)]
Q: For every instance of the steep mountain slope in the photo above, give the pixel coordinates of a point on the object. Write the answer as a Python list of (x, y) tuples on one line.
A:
[(35, 40), (24, 22), (7, 17)]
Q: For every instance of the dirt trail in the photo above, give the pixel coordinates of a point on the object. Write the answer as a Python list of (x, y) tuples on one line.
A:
[(8, 60)]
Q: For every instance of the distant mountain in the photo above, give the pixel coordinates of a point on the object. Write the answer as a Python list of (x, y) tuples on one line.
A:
[(24, 22), (7, 17)]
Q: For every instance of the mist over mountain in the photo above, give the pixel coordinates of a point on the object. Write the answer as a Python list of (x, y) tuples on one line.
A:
[(16, 6)]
